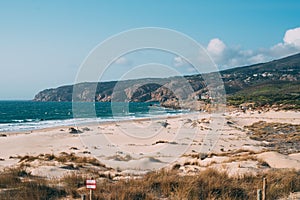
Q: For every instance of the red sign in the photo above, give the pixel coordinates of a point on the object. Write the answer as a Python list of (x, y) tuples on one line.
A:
[(91, 184)]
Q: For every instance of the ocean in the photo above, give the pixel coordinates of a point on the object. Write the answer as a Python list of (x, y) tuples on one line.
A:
[(30, 115)]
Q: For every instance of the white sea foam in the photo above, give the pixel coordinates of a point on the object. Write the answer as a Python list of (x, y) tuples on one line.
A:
[(33, 124)]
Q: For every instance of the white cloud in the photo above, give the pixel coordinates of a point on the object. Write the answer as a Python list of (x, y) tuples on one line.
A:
[(227, 56), (217, 49), (282, 49), (290, 45), (179, 61), (292, 37), (258, 58), (216, 46)]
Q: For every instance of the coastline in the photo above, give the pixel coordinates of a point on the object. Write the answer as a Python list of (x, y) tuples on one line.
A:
[(184, 132), (95, 122), (50, 114), (128, 150)]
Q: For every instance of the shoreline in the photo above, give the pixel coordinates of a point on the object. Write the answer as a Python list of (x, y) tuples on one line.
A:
[(95, 122), (129, 150)]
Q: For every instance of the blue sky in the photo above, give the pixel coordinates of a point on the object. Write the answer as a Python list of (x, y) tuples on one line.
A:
[(43, 43)]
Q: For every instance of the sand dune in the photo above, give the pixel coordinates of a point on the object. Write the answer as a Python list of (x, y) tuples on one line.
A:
[(144, 145)]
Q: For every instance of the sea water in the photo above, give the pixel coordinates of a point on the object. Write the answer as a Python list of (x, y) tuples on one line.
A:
[(31, 115)]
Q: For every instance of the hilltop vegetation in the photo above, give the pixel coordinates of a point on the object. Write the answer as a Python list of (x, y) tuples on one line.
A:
[(284, 94), (276, 82)]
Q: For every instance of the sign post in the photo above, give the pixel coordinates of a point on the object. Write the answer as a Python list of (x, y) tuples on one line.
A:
[(91, 185)]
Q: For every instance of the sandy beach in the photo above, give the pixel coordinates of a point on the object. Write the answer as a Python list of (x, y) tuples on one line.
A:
[(192, 142)]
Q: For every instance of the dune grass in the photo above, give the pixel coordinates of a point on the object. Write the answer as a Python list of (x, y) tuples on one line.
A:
[(209, 184), (282, 137)]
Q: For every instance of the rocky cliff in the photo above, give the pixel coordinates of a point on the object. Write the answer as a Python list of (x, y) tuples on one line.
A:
[(282, 71)]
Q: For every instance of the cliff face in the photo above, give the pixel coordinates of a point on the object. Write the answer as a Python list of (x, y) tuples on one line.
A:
[(63, 93), (171, 89), (142, 90)]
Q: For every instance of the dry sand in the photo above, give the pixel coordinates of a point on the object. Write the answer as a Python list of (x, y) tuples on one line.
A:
[(138, 146)]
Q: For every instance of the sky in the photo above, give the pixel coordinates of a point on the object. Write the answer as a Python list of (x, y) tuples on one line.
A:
[(44, 43)]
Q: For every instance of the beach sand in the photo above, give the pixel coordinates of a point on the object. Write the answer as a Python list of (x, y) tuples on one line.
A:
[(192, 142)]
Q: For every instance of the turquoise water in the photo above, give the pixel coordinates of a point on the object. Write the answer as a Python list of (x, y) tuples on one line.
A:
[(29, 115)]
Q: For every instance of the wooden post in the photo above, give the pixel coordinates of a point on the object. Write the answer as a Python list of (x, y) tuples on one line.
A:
[(264, 190), (91, 194), (258, 194)]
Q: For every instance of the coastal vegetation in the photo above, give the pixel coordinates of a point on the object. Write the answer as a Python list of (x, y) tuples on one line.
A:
[(283, 94), (16, 183)]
